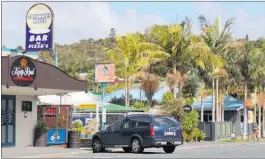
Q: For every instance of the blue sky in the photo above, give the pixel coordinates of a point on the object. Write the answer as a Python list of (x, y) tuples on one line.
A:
[(169, 10), (82, 20)]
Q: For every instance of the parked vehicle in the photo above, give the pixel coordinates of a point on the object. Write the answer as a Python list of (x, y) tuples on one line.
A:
[(134, 133)]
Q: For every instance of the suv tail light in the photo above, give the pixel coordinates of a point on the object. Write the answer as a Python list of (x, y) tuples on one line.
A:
[(152, 131)]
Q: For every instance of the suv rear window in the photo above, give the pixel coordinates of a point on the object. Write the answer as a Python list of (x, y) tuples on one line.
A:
[(165, 121)]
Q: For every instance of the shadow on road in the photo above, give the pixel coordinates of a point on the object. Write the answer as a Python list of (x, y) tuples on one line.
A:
[(122, 152)]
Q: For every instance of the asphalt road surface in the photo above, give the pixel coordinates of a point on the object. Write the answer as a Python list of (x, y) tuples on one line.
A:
[(236, 150)]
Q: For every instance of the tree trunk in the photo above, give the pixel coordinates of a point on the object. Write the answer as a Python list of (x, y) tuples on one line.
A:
[(223, 113), (180, 90), (213, 102), (245, 115), (202, 120), (263, 123), (128, 92), (174, 71), (255, 104), (174, 67), (260, 90), (217, 102)]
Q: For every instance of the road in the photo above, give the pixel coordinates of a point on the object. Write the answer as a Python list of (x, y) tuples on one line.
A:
[(236, 150)]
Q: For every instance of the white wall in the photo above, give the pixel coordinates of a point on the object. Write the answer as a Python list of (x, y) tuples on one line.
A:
[(25, 126)]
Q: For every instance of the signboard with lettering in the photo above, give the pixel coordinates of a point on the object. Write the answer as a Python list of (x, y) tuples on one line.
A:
[(86, 106), (39, 28), (23, 71), (104, 73)]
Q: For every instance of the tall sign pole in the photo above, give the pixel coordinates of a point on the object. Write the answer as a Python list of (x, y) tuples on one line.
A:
[(104, 73)]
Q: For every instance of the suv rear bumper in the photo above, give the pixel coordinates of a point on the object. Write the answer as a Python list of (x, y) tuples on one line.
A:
[(172, 143), (154, 142)]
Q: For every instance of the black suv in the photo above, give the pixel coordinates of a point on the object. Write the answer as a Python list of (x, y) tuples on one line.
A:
[(136, 132)]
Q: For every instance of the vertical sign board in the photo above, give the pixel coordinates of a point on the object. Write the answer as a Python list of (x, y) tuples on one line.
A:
[(39, 28), (104, 73)]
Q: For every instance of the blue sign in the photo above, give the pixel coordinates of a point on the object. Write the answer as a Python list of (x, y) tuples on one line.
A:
[(56, 136), (39, 28)]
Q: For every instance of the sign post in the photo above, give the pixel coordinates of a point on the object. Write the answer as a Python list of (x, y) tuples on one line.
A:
[(104, 73), (103, 114)]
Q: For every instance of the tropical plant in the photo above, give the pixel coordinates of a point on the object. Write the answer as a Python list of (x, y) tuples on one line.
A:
[(191, 86), (42, 125), (77, 126), (174, 108), (150, 84), (167, 97), (217, 40), (141, 106), (132, 54)]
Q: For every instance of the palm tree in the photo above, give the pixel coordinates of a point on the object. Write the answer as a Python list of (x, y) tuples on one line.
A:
[(184, 48), (150, 84), (217, 39), (130, 55)]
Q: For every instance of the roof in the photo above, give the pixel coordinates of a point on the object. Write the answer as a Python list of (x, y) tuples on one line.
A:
[(230, 104), (19, 51), (114, 108)]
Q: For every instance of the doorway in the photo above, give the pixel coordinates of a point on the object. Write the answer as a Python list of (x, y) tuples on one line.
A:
[(8, 122)]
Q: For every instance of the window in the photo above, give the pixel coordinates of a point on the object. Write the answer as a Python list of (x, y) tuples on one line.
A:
[(117, 125), (210, 118), (143, 124), (165, 120), (129, 124)]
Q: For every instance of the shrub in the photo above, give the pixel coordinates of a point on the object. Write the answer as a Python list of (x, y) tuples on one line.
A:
[(167, 97), (174, 108), (141, 105), (190, 121)]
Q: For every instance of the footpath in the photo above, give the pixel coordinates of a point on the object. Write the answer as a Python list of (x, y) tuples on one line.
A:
[(54, 152)]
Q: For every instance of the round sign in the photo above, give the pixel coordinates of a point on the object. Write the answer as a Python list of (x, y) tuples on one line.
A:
[(187, 108), (39, 19), (23, 71)]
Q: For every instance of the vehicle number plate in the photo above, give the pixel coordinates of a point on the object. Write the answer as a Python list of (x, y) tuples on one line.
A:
[(170, 133)]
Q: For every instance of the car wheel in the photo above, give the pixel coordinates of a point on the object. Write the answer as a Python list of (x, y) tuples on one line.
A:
[(136, 146), (97, 145), (127, 149), (169, 149)]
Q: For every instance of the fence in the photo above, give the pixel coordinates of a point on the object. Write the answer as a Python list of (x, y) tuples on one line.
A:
[(222, 130), (58, 120)]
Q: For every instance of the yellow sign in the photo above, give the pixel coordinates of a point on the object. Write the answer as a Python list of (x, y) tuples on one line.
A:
[(87, 106)]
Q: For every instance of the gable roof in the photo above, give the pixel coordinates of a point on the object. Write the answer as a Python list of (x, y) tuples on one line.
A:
[(230, 104)]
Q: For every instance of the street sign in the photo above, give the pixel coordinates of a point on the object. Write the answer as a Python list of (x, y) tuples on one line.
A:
[(104, 111), (187, 108), (86, 106)]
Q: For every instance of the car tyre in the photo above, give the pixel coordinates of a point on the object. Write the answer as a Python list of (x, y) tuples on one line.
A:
[(97, 145), (127, 149), (169, 149), (136, 146)]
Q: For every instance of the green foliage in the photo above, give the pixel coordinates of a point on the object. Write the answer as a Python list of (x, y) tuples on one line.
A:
[(190, 121), (191, 86), (167, 97), (174, 108), (77, 126), (42, 125), (113, 87), (141, 106)]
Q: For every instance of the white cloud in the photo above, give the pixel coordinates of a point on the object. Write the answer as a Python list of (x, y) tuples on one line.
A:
[(244, 23), (74, 21)]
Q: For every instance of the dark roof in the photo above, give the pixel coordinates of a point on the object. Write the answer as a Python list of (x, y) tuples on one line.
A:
[(230, 103)]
